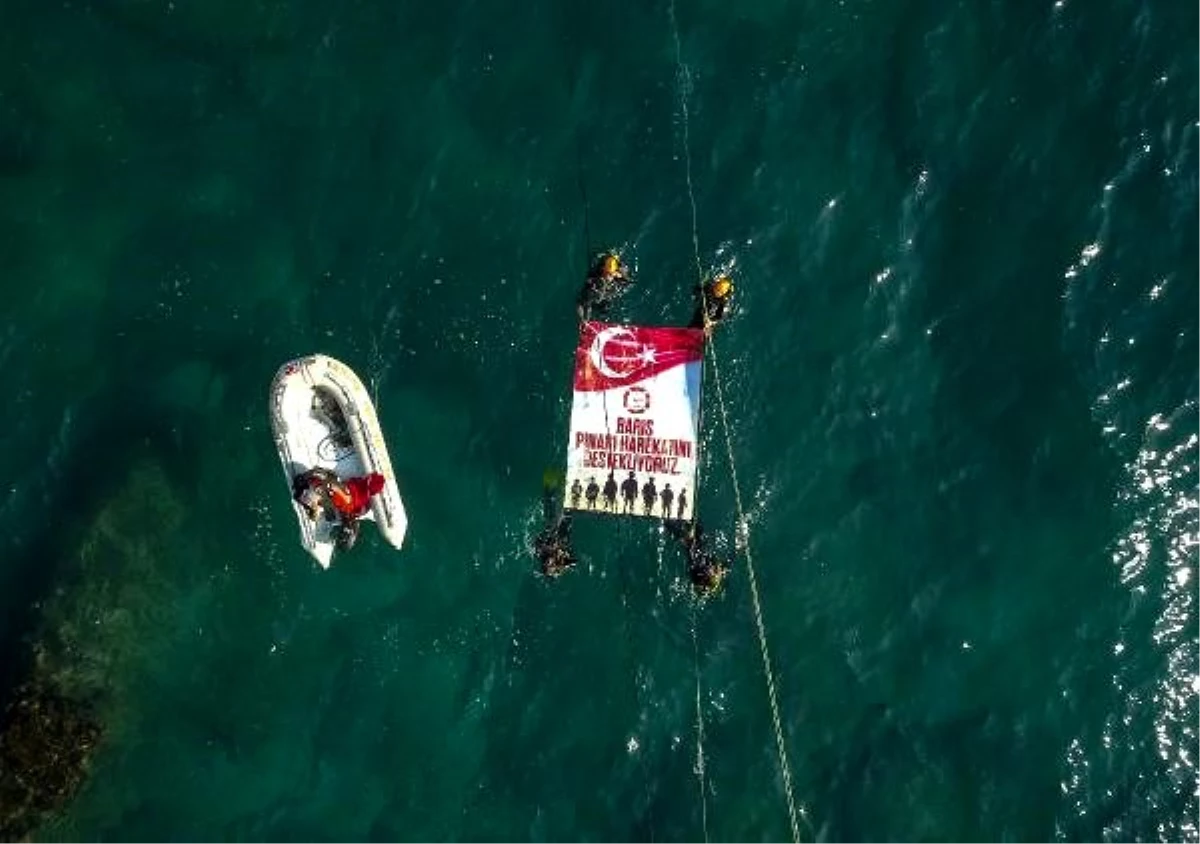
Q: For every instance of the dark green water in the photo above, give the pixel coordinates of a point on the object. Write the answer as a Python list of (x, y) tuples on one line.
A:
[(962, 386)]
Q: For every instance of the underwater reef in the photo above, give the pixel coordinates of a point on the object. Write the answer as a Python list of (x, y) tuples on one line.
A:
[(46, 743), (106, 616)]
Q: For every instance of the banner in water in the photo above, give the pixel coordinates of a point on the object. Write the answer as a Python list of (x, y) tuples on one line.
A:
[(634, 420)]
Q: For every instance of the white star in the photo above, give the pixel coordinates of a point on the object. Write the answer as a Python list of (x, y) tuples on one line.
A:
[(648, 354)]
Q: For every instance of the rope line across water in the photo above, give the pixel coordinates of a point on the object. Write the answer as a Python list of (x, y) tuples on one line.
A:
[(700, 769), (794, 814)]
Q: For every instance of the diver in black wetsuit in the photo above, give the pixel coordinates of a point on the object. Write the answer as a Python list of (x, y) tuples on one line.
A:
[(552, 546), (712, 303), (605, 283), (705, 570)]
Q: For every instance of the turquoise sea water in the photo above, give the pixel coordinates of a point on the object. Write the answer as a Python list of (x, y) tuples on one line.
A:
[(961, 385)]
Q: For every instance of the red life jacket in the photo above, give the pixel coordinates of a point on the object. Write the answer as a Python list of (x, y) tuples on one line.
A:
[(353, 497)]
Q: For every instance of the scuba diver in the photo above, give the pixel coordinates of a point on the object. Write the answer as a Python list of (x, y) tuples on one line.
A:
[(705, 570), (605, 283), (320, 492), (576, 494), (712, 303), (552, 546)]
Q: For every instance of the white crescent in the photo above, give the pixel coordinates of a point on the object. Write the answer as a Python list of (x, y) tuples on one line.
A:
[(596, 353)]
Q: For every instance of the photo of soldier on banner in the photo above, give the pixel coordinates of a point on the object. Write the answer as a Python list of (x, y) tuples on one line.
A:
[(634, 421)]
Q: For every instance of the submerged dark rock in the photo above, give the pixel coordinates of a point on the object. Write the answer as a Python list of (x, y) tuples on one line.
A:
[(107, 619), (46, 743)]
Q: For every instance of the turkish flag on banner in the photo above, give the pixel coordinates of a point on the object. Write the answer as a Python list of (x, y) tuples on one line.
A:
[(633, 438)]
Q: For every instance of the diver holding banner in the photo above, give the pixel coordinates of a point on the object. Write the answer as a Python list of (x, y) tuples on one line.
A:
[(606, 282), (706, 570), (552, 546), (713, 299), (634, 424)]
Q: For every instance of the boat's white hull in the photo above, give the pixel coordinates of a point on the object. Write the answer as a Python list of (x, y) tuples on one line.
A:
[(307, 437)]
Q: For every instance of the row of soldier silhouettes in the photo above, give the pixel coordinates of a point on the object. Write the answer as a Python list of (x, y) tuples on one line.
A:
[(552, 546), (605, 497)]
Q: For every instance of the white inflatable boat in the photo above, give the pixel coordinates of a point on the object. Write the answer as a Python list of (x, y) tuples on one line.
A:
[(322, 416)]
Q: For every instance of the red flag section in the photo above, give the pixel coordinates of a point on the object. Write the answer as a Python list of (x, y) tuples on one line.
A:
[(611, 356)]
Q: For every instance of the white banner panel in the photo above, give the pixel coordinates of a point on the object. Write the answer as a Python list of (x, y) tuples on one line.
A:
[(634, 421)]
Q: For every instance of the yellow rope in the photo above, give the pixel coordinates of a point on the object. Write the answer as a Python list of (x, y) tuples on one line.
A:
[(699, 732), (785, 770), (684, 83), (794, 815)]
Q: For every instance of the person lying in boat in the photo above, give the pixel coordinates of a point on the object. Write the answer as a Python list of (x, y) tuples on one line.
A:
[(311, 491), (705, 570), (712, 303), (552, 546), (320, 491), (605, 283)]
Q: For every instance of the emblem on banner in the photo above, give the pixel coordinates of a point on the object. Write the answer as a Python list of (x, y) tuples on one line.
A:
[(636, 400)]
